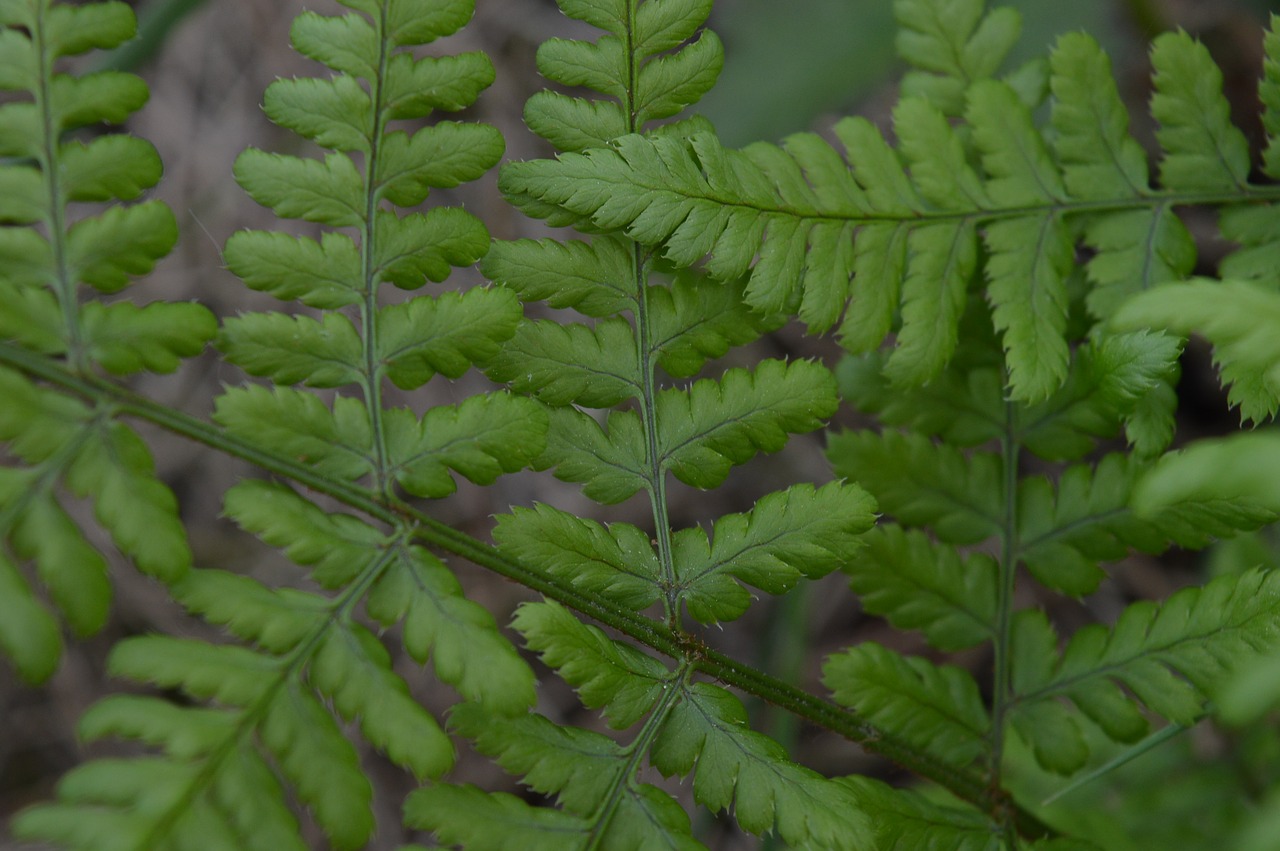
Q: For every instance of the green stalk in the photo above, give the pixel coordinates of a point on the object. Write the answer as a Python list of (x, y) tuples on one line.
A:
[(1002, 690)]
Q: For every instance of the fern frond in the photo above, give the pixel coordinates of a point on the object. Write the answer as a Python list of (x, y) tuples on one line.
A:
[(922, 483), (799, 532), (916, 584), (49, 247), (908, 821), (936, 709), (1164, 655)]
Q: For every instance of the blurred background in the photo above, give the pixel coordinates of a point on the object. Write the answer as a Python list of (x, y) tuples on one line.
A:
[(792, 65)]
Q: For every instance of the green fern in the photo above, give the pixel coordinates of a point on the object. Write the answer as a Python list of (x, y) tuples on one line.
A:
[(49, 247), (1012, 369)]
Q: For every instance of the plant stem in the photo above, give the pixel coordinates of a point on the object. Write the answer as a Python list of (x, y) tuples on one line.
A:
[(1001, 692)]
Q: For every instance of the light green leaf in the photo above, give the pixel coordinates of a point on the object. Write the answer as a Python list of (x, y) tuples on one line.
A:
[(609, 675), (716, 424), (1203, 149), (125, 338), (115, 469), (106, 250), (1091, 125), (1137, 249), (423, 336), (353, 669), (70, 30), (329, 192), (337, 443), (798, 532), (696, 320), (616, 561), (346, 43), (612, 465), (574, 124), (460, 637), (486, 821), (938, 710), (276, 619), (321, 764), (109, 167), (922, 483), (667, 84), (337, 546), (104, 97), (916, 584), (405, 250), (29, 634), (324, 274), (413, 87), (413, 23), (437, 157), (230, 675), (294, 349), (595, 278), (336, 113), (590, 366), (23, 200), (953, 43), (1233, 315), (481, 438), (74, 572)]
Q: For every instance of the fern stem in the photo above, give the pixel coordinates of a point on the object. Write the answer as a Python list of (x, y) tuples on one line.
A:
[(966, 785), (65, 286), (371, 381), (1001, 696)]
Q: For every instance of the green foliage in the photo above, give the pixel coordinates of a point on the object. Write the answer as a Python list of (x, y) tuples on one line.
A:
[(1006, 270)]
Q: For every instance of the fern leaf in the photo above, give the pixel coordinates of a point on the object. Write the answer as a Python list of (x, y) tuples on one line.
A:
[(952, 42), (116, 470), (1252, 226), (73, 571), (468, 816), (916, 584), (29, 634), (105, 251), (608, 674), (1203, 149), (696, 320), (1233, 315), (481, 438), (1164, 655), (799, 532), (299, 425), (578, 767), (616, 561), (718, 424), (337, 546), (924, 484), (276, 620), (612, 464), (294, 349), (594, 367), (446, 335), (324, 274), (909, 821), (125, 338), (1235, 471), (353, 669), (589, 277), (460, 637), (321, 765), (937, 709), (942, 259), (1091, 125), (336, 113), (706, 733), (1269, 94)]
